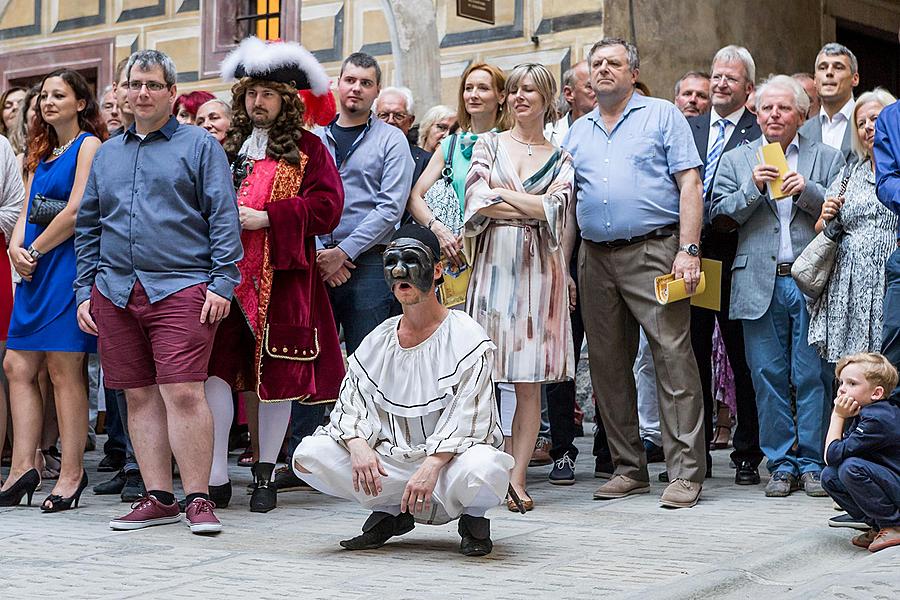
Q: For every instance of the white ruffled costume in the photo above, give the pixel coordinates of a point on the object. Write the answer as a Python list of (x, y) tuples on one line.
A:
[(409, 403)]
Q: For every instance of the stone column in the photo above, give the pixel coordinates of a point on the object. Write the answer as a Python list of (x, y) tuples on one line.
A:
[(415, 49)]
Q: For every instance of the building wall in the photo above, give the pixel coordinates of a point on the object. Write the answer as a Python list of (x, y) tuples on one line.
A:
[(673, 35)]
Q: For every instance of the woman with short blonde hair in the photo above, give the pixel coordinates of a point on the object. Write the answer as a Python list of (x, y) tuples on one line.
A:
[(849, 315), (435, 126)]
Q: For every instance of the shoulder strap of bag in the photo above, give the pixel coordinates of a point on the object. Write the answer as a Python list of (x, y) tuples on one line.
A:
[(448, 164)]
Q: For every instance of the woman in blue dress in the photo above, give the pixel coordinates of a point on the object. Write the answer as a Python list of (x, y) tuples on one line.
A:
[(43, 325)]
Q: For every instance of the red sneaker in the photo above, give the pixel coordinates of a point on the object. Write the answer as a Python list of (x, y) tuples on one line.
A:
[(146, 512), (200, 517)]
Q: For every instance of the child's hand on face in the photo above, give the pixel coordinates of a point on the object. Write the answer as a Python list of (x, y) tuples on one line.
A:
[(845, 406)]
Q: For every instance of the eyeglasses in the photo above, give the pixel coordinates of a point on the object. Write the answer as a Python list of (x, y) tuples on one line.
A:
[(396, 116), (717, 79), (153, 86)]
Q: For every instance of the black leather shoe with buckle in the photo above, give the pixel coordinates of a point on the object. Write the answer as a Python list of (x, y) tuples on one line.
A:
[(378, 529)]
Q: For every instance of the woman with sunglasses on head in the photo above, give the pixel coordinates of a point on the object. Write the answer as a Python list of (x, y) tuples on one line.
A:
[(66, 135)]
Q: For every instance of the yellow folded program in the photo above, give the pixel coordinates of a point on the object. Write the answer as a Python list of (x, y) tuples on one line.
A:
[(669, 289), (773, 155), (708, 293), (456, 284)]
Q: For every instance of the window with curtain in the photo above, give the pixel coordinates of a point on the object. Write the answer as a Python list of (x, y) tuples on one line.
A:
[(261, 18)]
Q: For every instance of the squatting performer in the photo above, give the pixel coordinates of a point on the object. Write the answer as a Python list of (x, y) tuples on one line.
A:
[(414, 436)]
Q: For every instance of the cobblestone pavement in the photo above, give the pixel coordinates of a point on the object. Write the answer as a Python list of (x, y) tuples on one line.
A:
[(734, 544)]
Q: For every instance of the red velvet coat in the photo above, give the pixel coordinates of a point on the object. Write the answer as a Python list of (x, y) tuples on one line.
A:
[(296, 354)]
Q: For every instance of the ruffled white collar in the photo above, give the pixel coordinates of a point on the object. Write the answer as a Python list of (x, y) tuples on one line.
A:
[(412, 382), (254, 147)]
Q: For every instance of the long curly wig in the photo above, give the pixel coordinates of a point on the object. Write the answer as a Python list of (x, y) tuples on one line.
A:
[(42, 137), (285, 132)]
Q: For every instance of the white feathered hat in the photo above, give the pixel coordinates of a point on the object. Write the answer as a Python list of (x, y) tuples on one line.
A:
[(285, 62)]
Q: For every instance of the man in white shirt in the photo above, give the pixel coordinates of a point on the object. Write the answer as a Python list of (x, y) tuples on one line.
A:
[(836, 72), (728, 125), (772, 233), (577, 99)]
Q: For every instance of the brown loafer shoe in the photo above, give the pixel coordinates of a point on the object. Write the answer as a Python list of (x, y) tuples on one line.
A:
[(619, 487), (864, 540), (887, 537), (681, 493)]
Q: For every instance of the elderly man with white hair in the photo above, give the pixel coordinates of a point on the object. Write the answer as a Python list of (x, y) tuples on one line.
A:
[(394, 106), (772, 233)]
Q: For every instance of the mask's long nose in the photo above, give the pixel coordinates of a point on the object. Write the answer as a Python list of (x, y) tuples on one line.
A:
[(400, 272)]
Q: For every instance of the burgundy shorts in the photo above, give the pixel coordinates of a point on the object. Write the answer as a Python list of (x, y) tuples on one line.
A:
[(145, 344)]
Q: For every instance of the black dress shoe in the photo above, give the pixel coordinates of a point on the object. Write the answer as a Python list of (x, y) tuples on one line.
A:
[(111, 486), (378, 529), (111, 463), (746, 474), (654, 453), (220, 494), (265, 496), (476, 536), (134, 487), (287, 481)]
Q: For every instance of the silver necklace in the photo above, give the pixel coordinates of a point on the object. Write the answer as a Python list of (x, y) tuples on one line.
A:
[(527, 144), (59, 150)]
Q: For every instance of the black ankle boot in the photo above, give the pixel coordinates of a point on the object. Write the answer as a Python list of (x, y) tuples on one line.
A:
[(220, 494), (378, 529), (476, 536), (264, 497)]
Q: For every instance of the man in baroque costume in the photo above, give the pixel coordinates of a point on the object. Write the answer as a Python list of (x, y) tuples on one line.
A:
[(414, 436), (279, 341)]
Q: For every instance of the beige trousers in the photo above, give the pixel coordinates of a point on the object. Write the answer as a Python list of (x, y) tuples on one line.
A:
[(617, 297)]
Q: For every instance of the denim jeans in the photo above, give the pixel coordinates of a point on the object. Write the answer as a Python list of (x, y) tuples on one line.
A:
[(890, 334), (118, 397), (305, 418), (779, 354), (869, 492), (364, 302)]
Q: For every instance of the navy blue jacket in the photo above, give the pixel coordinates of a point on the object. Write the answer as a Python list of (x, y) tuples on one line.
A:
[(873, 435)]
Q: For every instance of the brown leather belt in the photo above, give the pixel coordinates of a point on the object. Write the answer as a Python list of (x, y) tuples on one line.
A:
[(656, 233), (783, 269)]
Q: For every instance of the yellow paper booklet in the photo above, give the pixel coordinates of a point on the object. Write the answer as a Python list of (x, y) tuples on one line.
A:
[(773, 155), (456, 283), (708, 293)]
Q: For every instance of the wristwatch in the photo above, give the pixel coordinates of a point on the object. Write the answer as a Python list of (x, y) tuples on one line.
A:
[(33, 252), (692, 249)]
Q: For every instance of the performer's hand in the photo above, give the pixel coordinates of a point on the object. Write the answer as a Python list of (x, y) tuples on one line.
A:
[(573, 294), (845, 406), (793, 184), (252, 219), (687, 267), (22, 262), (214, 309), (367, 468), (418, 491), (85, 320)]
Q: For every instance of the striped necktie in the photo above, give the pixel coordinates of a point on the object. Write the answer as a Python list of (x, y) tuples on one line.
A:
[(712, 157)]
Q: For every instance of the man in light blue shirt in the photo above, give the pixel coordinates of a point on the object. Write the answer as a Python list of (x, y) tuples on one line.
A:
[(376, 167), (640, 211)]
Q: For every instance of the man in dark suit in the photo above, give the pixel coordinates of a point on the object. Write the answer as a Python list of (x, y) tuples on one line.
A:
[(728, 125), (836, 75), (394, 106)]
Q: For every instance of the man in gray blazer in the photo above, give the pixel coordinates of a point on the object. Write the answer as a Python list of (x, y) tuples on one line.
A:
[(837, 73), (771, 234)]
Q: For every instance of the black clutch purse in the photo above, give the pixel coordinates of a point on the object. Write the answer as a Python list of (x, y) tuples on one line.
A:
[(44, 209)]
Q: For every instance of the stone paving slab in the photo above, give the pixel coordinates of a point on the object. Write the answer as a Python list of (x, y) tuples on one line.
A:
[(734, 544)]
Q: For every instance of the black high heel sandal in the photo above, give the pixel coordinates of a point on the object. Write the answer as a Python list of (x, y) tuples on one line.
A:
[(25, 486), (58, 503)]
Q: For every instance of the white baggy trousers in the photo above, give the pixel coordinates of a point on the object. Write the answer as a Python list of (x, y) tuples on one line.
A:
[(471, 482)]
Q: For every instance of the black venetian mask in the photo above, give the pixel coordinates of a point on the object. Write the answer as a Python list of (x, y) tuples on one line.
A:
[(409, 261)]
